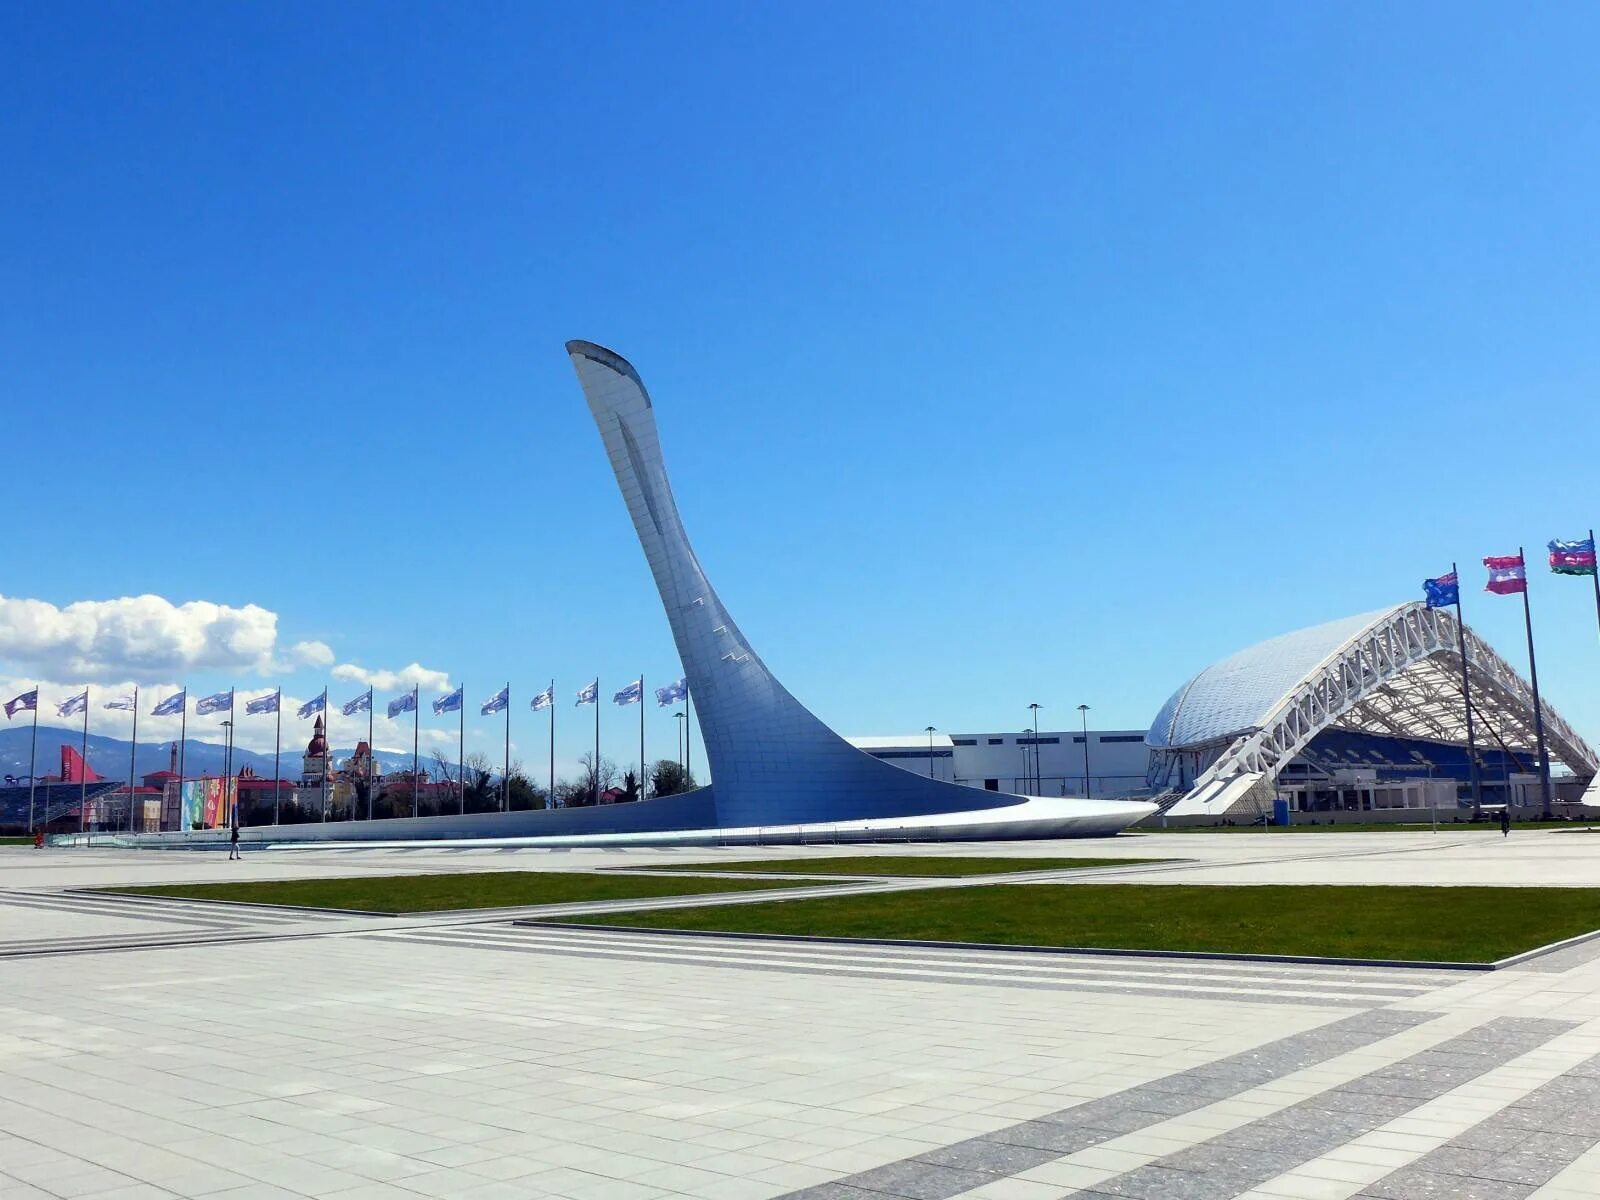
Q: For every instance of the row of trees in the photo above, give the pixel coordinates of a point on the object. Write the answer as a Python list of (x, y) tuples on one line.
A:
[(484, 786)]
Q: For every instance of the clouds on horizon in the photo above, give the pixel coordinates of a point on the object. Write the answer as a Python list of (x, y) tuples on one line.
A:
[(146, 639), (425, 678)]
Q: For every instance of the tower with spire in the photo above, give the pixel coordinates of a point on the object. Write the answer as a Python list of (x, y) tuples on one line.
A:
[(316, 762)]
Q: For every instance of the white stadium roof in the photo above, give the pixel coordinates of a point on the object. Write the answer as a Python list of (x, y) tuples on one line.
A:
[(1396, 671)]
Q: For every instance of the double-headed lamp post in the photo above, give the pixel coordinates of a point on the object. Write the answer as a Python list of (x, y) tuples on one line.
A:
[(1038, 783), (930, 751), (1088, 788)]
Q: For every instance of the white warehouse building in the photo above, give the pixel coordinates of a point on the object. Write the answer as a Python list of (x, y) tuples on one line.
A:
[(1051, 764)]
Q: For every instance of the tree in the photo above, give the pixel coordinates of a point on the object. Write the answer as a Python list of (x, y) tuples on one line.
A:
[(630, 788), (597, 778), (482, 792), (668, 778), (525, 794)]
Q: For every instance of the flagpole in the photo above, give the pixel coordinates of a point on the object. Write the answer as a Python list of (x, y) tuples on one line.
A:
[(33, 767), (277, 755), (505, 776), (183, 749), (461, 749), (597, 741), (233, 719), (83, 768), (688, 737), (641, 735), (416, 724), (372, 759), (133, 751), (1466, 695), (1533, 677), (549, 796)]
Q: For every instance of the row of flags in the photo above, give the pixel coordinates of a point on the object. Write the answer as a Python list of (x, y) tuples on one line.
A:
[(1508, 573), (269, 703)]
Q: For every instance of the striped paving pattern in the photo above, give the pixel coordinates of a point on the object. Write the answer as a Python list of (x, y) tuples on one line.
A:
[(182, 922), (1209, 979)]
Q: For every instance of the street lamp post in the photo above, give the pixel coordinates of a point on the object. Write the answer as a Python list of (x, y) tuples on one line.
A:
[(1088, 788), (1023, 746), (930, 751), (1038, 782), (680, 718)]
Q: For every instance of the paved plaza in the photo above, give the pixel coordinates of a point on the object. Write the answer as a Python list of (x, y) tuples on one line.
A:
[(153, 1047)]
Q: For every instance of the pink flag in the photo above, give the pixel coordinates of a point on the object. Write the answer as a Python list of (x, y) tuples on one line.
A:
[(1507, 574)]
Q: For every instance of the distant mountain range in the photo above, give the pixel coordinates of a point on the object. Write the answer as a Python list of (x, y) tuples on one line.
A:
[(109, 756)]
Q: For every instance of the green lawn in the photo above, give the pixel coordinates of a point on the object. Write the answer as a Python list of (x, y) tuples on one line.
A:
[(1456, 924), (16, 841), (432, 893), (894, 864)]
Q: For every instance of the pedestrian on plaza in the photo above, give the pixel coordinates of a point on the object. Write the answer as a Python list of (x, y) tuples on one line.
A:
[(233, 844), (1505, 821)]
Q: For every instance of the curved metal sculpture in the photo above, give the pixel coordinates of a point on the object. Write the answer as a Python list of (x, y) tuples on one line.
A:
[(1399, 675), (772, 760)]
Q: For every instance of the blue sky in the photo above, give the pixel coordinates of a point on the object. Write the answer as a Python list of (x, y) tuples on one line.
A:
[(1001, 353)]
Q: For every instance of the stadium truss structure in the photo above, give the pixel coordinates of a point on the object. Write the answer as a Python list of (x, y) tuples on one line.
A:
[(1396, 672)]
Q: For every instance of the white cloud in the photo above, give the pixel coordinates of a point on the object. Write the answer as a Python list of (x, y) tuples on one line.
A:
[(145, 638), (423, 677), (311, 654)]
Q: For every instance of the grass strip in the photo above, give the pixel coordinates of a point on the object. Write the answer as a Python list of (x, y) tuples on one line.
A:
[(954, 867), (1442, 924), (435, 893)]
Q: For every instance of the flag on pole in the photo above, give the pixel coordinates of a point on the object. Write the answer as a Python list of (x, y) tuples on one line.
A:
[(631, 694), (448, 703), (1507, 574), (211, 704), (314, 705), (1573, 558), (27, 702), (172, 705), (589, 694), (74, 705), (1443, 592), (262, 704), (400, 704), (545, 698), (673, 692), (125, 703), (361, 704), (497, 702)]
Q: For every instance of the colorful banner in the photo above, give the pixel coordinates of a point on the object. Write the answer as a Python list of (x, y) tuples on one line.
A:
[(1507, 575), (208, 803)]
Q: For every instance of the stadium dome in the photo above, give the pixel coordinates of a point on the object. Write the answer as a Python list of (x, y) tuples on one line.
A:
[(1394, 674)]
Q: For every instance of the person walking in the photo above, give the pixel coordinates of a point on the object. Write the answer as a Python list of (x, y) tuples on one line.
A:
[(1505, 821), (233, 844)]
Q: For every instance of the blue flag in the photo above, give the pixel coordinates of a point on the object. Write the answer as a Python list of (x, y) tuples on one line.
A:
[(125, 703), (315, 705), (1443, 592), (497, 702), (172, 705), (545, 698), (631, 694), (27, 702), (361, 704), (589, 694), (216, 703), (262, 704), (673, 692), (73, 705), (400, 704), (448, 703)]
